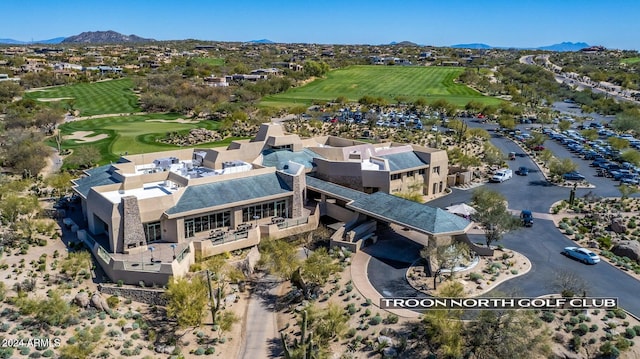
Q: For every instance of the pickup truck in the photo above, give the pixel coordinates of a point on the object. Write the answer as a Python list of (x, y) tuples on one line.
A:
[(502, 175)]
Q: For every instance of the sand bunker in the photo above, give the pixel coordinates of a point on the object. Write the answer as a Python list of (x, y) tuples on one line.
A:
[(179, 120), (83, 136), (54, 99)]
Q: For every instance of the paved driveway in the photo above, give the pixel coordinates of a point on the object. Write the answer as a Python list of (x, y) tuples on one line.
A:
[(541, 243)]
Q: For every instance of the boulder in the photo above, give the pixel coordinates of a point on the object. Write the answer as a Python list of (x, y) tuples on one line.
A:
[(81, 299), (381, 339), (230, 299), (127, 328), (630, 249), (99, 303), (617, 225)]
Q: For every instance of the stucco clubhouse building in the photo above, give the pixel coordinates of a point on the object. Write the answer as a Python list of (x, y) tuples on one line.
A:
[(149, 216)]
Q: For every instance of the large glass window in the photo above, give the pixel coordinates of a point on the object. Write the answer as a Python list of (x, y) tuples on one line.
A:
[(205, 223), (152, 232), (265, 210)]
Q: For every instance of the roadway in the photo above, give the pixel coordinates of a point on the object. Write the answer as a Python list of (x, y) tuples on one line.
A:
[(541, 243)]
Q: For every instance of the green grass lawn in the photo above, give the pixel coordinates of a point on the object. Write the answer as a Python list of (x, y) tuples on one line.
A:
[(630, 60), (132, 134), (354, 82), (114, 96)]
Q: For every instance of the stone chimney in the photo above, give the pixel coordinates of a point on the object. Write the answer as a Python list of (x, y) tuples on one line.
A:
[(133, 232)]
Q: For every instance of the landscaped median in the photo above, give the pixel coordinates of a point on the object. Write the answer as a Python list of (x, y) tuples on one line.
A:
[(608, 226), (478, 279)]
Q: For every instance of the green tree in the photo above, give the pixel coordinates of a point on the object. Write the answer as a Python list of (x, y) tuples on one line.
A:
[(9, 90), (60, 182), (558, 167), (84, 157), (590, 134), (537, 139), (492, 214), (506, 334), (507, 122), (492, 154), (226, 322), (51, 311), (187, 301), (444, 328), (617, 143), (318, 267), (14, 206), (87, 340), (628, 120), (278, 257), (546, 155), (631, 156), (564, 125), (626, 191), (75, 264), (221, 273)]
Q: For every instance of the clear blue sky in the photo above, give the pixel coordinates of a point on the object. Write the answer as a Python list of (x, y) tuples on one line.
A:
[(517, 23)]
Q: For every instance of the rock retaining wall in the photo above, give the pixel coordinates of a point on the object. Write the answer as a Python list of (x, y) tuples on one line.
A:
[(142, 295)]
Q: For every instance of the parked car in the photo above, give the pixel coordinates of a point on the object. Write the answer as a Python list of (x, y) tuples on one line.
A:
[(573, 176), (434, 128), (527, 218), (512, 155), (522, 171), (538, 148), (582, 254), (502, 175)]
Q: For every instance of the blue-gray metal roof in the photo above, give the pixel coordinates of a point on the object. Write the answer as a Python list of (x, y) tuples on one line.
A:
[(98, 176), (278, 159), (230, 191), (344, 193), (403, 161), (418, 216)]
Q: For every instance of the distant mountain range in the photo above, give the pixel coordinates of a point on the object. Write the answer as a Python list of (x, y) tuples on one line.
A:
[(56, 40), (561, 47), (104, 37), (112, 37)]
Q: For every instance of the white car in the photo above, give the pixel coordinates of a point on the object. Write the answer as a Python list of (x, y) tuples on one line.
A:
[(434, 128), (582, 254), (502, 175)]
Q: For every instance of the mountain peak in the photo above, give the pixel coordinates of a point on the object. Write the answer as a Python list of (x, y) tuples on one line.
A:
[(98, 37)]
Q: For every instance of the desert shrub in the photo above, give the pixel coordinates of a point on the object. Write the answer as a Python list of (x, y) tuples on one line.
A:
[(548, 316), (581, 329), (475, 276), (47, 353), (574, 320), (351, 333), (619, 313), (630, 333), (376, 319), (199, 351), (210, 350), (574, 343), (392, 319), (604, 242), (594, 328), (569, 231), (113, 301)]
